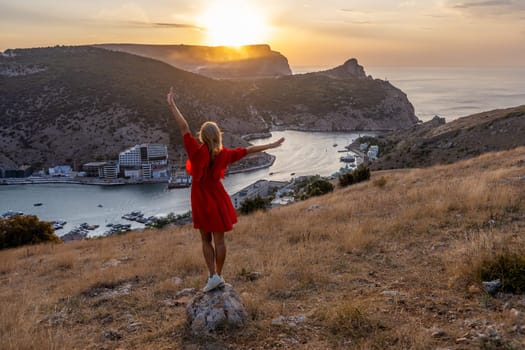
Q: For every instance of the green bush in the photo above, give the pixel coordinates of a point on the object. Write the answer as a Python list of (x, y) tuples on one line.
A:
[(252, 204), (25, 229), (509, 268), (361, 173), (318, 187)]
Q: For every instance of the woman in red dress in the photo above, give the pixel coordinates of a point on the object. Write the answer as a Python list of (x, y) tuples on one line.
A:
[(211, 206)]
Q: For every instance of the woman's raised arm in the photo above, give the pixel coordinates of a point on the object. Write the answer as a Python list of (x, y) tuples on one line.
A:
[(260, 148), (179, 118)]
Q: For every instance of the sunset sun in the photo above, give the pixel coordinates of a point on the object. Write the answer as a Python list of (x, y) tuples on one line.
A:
[(233, 23)]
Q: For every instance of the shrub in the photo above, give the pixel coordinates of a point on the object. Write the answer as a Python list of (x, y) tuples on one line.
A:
[(25, 229), (348, 321), (361, 173), (509, 268), (252, 204), (381, 182), (317, 187), (346, 179)]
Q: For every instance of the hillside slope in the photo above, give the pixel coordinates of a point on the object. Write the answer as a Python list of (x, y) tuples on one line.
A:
[(437, 142), (76, 104), (390, 264)]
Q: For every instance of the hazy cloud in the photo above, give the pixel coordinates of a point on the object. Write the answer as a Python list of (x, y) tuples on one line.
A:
[(499, 6), (470, 4), (511, 9), (176, 25)]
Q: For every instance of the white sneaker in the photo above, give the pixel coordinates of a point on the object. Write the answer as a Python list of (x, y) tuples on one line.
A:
[(213, 282)]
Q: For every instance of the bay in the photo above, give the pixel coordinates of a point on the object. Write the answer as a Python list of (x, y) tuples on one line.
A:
[(303, 153)]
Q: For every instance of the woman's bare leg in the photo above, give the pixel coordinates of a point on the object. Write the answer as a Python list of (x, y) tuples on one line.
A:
[(220, 251), (208, 251)]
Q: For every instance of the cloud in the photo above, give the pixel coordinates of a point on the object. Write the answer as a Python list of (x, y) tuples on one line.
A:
[(165, 25), (470, 4), (500, 6), (511, 9)]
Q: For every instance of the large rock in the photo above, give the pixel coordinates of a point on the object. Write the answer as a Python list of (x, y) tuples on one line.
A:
[(215, 310), (349, 70)]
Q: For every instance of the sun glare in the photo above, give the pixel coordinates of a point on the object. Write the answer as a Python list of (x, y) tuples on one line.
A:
[(233, 23)]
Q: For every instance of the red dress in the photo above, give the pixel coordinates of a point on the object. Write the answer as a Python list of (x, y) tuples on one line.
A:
[(211, 206)]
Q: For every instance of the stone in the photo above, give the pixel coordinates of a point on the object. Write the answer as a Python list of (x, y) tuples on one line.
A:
[(473, 289), (290, 321), (438, 333), (111, 335), (515, 314), (177, 281), (492, 287), (215, 310)]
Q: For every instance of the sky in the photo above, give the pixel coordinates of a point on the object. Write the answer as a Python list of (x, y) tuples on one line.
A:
[(309, 33)]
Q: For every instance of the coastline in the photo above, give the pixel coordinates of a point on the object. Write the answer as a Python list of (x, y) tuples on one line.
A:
[(119, 182)]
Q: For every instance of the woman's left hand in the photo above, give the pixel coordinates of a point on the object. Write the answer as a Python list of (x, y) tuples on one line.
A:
[(277, 143)]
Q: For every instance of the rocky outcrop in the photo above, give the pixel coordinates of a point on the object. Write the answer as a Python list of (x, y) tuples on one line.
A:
[(216, 310), (350, 69), (221, 62)]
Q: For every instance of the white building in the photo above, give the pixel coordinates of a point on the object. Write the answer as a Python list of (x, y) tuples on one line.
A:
[(145, 161), (373, 152), (130, 157), (110, 170), (60, 170)]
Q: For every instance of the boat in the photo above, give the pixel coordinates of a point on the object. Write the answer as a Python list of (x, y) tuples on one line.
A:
[(292, 174), (37, 204), (347, 159), (181, 178), (100, 206), (11, 213), (334, 145)]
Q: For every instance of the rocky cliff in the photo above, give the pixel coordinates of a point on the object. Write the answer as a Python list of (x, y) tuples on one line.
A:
[(251, 61), (77, 104)]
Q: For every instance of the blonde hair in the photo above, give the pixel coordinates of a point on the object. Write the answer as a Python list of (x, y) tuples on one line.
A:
[(211, 135)]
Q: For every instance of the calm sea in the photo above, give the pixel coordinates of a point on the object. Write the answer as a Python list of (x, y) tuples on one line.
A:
[(448, 92)]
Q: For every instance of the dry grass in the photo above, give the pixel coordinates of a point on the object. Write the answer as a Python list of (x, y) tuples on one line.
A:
[(376, 265)]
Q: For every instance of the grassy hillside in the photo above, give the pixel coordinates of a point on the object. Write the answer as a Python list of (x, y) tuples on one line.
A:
[(387, 264), (439, 143), (82, 103)]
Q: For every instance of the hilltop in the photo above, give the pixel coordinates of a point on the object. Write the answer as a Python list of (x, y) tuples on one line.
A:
[(386, 264), (221, 62), (70, 105), (437, 142)]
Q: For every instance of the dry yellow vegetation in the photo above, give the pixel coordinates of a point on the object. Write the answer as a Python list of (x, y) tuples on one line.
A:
[(386, 264)]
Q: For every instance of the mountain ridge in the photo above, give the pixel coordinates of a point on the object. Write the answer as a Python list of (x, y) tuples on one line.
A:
[(66, 105), (221, 62)]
